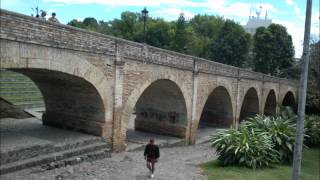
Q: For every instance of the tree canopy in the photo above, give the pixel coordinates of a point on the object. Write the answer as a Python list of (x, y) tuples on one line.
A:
[(211, 37), (273, 49), (231, 45)]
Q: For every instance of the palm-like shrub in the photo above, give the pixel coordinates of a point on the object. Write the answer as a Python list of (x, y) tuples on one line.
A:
[(280, 130), (312, 130), (286, 112), (244, 147)]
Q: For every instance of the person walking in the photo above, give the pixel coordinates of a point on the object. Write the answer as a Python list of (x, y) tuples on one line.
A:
[(151, 155)]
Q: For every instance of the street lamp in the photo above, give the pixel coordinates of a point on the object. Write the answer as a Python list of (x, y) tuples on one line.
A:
[(144, 13)]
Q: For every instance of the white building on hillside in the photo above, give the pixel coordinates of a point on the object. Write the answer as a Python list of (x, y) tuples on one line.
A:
[(255, 22)]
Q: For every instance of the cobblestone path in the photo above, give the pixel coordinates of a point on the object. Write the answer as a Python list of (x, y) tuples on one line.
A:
[(176, 163)]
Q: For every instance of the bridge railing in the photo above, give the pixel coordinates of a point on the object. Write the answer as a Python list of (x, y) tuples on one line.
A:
[(28, 29), (18, 27)]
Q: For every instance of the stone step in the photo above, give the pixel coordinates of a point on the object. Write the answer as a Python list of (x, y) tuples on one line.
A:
[(16, 88), (39, 150), (91, 156), (20, 93), (67, 156)]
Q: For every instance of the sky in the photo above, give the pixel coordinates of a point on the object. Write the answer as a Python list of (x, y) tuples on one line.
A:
[(290, 13)]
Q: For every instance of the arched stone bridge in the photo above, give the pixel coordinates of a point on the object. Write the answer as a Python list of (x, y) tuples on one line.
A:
[(94, 83)]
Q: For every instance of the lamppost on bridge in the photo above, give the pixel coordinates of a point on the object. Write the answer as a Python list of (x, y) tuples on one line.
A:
[(144, 13)]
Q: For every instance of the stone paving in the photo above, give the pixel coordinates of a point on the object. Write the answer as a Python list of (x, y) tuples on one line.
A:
[(176, 162), (20, 133)]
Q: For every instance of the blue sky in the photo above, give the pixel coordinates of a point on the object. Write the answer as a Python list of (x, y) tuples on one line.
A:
[(289, 13)]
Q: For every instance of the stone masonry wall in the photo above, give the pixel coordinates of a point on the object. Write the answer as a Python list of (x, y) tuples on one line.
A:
[(122, 70)]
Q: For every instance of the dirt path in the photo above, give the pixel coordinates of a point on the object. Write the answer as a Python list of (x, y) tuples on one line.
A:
[(176, 163)]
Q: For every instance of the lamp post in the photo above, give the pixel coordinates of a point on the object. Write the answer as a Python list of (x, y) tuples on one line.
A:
[(144, 13)]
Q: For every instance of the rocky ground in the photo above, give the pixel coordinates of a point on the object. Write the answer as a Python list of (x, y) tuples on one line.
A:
[(175, 163)]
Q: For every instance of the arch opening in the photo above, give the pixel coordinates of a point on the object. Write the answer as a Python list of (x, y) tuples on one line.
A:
[(250, 105), (161, 109), (70, 101), (289, 100), (270, 108), (217, 111), (72, 104)]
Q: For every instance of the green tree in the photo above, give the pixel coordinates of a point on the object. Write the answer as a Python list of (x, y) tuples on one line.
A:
[(180, 38), (159, 33), (206, 25), (206, 29), (104, 27), (76, 23), (90, 23), (273, 49), (125, 27), (313, 92), (231, 45)]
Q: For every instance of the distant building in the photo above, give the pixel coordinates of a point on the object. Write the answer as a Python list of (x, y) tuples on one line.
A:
[(255, 22)]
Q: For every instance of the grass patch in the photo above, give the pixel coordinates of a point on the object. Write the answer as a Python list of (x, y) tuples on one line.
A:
[(310, 170)]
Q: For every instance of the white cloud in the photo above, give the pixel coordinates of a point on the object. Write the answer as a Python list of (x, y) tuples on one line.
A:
[(79, 19), (173, 13), (296, 30), (131, 2), (297, 10), (290, 2), (239, 9)]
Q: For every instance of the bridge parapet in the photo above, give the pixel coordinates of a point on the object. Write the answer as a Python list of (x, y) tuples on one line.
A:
[(22, 28), (170, 58), (28, 29), (212, 67), (247, 74)]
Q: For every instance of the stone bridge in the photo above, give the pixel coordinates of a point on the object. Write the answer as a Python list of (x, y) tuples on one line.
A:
[(95, 83)]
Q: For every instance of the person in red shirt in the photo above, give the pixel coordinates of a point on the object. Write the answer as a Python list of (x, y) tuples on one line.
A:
[(151, 154)]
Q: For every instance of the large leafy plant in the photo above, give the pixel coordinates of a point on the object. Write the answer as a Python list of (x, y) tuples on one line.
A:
[(244, 147), (280, 130), (312, 130)]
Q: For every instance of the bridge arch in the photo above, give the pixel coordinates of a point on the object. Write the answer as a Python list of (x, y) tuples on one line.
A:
[(270, 105), (289, 100), (161, 99), (218, 109), (250, 104), (73, 90)]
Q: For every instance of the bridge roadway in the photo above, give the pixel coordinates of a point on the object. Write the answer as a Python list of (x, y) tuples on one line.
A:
[(95, 83)]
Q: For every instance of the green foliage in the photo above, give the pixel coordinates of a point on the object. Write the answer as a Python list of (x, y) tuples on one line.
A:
[(312, 126), (281, 130), (127, 27), (276, 135), (309, 169), (159, 33), (231, 45), (200, 36), (286, 112), (76, 23), (272, 49), (181, 38), (90, 23), (245, 148), (313, 92)]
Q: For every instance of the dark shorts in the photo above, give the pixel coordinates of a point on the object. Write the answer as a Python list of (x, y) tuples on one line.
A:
[(152, 160)]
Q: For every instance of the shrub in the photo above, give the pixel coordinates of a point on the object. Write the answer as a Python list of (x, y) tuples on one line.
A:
[(280, 130), (312, 130), (286, 112), (244, 147)]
